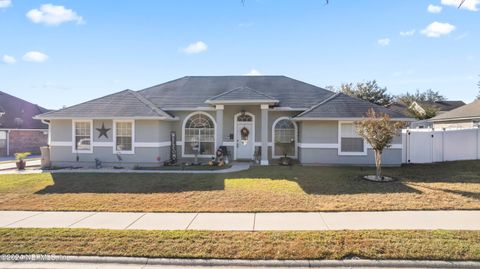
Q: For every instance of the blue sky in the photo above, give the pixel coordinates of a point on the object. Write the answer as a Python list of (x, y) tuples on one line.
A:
[(57, 53)]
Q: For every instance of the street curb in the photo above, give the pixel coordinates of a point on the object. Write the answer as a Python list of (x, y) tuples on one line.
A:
[(262, 263)]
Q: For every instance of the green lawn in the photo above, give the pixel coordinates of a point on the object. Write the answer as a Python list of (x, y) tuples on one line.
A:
[(454, 185), (410, 245)]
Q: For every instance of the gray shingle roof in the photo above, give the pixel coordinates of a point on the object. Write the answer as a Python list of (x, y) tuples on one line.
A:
[(242, 94), (126, 103), (471, 110), (339, 105), (194, 91), (18, 113)]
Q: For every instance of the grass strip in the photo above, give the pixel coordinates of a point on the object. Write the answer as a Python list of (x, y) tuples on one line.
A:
[(367, 244)]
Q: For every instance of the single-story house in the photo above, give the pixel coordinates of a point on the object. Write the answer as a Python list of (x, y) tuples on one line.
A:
[(467, 116), (19, 132), (254, 117)]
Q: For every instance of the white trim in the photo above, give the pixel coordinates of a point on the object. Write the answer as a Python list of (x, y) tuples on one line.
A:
[(264, 106), (219, 107), (239, 102), (287, 108), (344, 119), (235, 122), (273, 138), (259, 144), (103, 144), (472, 118), (340, 153), (27, 130), (39, 117), (228, 144), (114, 146), (200, 108), (152, 144), (318, 145), (183, 134), (61, 143), (73, 136), (393, 146)]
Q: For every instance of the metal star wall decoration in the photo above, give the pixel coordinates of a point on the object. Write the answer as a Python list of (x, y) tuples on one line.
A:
[(103, 131)]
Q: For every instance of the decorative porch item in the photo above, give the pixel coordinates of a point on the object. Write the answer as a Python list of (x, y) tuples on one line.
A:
[(244, 135), (103, 131), (20, 159)]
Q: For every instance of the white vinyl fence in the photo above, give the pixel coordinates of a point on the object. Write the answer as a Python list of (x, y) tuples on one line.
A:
[(428, 145)]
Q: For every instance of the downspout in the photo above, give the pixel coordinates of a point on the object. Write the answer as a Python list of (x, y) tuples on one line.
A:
[(8, 142), (49, 132)]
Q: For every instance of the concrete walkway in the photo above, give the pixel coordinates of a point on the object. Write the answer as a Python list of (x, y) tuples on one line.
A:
[(13, 165), (313, 221), (236, 167)]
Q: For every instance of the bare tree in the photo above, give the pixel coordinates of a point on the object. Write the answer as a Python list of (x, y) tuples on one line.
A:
[(378, 129)]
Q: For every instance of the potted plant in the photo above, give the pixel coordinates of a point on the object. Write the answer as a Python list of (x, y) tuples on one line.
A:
[(285, 160), (20, 159)]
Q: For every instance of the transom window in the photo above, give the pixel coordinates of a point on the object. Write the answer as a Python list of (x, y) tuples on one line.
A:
[(285, 138), (124, 136), (244, 118), (199, 135), (82, 134), (350, 142)]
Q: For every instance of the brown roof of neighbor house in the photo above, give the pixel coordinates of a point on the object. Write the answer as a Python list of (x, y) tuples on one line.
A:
[(469, 111), (18, 113)]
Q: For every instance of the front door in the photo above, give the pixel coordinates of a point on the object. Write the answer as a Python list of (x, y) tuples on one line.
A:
[(245, 137)]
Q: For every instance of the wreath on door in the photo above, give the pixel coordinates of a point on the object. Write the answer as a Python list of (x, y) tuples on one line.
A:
[(244, 132)]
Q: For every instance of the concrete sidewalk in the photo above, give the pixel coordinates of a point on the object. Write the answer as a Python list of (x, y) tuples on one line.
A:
[(312, 221)]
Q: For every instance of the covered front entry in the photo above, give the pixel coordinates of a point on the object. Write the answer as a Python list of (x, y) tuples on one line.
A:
[(244, 147)]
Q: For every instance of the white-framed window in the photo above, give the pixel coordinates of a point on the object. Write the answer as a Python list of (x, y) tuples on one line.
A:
[(124, 136), (284, 136), (350, 142), (199, 135), (82, 136)]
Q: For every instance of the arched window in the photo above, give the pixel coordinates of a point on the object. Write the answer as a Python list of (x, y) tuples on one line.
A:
[(285, 138), (199, 135)]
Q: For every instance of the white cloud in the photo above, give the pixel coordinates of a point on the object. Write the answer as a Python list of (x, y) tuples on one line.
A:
[(53, 15), (408, 33), (383, 42), (468, 4), (5, 3), (8, 59), (253, 72), (434, 9), (35, 56), (196, 47), (437, 29)]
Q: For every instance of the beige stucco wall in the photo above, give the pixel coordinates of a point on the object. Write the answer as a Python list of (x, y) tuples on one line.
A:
[(454, 124)]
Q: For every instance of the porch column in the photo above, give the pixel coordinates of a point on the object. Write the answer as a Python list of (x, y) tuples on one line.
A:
[(219, 129), (264, 128)]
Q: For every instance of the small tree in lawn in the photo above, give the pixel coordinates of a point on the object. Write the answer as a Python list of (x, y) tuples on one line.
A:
[(378, 129)]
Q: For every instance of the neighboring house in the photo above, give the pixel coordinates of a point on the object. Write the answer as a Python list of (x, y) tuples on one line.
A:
[(422, 108), (467, 116), (19, 132), (254, 117)]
